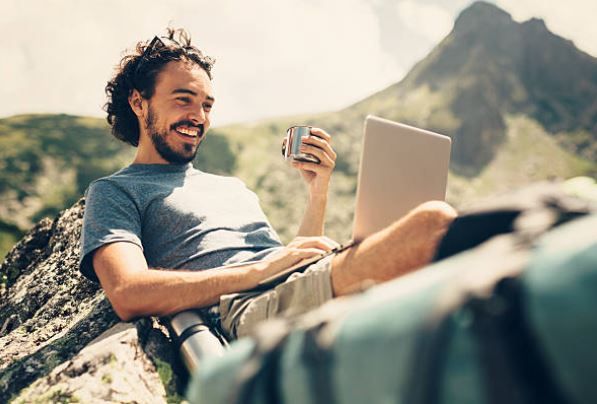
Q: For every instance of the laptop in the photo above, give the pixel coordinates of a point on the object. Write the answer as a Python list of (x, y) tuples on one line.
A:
[(401, 167)]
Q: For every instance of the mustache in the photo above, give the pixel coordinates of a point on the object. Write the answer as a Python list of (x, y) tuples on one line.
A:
[(189, 124)]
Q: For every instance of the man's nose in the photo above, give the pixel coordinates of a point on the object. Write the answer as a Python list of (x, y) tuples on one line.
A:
[(197, 116)]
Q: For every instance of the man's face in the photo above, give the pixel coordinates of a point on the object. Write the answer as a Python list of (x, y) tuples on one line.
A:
[(178, 112)]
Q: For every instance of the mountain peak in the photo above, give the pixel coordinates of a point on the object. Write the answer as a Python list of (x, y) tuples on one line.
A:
[(536, 23), (480, 14), (491, 66)]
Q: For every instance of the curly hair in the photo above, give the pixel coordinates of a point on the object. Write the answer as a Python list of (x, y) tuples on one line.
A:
[(139, 71)]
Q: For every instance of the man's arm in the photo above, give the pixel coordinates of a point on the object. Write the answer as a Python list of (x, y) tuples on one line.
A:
[(134, 290), (317, 176), (314, 217)]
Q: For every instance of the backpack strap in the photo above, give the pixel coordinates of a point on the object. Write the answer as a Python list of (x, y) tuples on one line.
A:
[(262, 366), (509, 214), (429, 361), (318, 357), (471, 229), (514, 368)]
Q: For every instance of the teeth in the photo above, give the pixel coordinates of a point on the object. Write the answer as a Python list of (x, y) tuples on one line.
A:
[(188, 132)]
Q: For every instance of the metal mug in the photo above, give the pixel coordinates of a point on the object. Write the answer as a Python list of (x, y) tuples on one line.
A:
[(291, 146)]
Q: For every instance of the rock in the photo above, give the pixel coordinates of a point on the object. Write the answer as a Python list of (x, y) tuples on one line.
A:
[(61, 341)]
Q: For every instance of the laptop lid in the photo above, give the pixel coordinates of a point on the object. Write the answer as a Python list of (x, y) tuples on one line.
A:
[(401, 167)]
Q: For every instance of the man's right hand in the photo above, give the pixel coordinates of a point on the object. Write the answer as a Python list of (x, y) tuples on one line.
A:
[(298, 250), (135, 290)]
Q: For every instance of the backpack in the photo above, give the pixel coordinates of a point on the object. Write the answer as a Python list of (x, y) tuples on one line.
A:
[(504, 315)]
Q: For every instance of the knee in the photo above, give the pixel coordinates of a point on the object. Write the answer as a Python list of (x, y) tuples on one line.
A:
[(436, 211)]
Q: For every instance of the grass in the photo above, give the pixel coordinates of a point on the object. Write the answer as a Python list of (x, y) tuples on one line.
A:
[(166, 376), (529, 154)]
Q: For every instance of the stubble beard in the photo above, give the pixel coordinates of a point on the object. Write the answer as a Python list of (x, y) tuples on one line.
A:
[(163, 148)]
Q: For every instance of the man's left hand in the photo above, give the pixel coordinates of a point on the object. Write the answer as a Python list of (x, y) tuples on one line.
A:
[(317, 175)]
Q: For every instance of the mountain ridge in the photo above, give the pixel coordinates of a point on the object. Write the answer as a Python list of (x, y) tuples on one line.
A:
[(490, 65)]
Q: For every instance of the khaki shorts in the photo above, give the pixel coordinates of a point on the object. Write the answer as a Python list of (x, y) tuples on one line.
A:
[(300, 293)]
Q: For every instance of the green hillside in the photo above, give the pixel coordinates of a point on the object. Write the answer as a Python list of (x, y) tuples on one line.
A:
[(47, 162), (528, 154), (517, 100)]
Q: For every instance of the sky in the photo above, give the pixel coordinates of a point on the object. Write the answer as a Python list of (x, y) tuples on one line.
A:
[(273, 58)]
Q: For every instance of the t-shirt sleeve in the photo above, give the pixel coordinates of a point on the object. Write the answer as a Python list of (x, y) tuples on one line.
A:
[(111, 215)]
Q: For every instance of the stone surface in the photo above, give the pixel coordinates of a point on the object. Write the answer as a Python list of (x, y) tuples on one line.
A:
[(60, 340)]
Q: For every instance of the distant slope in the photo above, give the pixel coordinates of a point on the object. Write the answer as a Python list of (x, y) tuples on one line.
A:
[(47, 162), (528, 153)]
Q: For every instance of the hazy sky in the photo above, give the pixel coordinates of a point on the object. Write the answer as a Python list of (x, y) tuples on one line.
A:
[(273, 57)]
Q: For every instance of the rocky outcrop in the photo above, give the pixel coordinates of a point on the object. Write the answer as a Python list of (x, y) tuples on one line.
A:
[(60, 340)]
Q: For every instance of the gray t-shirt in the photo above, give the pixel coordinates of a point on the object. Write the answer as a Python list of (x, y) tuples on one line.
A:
[(181, 217)]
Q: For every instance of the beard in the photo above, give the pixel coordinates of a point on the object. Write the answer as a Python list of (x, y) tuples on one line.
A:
[(186, 155)]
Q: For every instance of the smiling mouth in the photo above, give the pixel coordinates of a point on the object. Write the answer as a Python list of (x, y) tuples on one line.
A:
[(189, 132)]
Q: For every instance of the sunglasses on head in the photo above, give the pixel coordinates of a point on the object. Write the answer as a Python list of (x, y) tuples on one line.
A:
[(162, 42)]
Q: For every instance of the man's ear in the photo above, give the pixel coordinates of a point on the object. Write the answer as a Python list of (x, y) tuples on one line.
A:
[(136, 103)]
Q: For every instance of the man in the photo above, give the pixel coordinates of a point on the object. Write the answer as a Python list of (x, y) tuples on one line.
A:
[(162, 237)]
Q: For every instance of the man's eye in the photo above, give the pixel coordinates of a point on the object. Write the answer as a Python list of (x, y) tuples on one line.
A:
[(184, 100), (207, 107)]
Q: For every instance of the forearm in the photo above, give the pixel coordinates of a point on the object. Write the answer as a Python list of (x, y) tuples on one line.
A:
[(134, 290), (314, 217), (163, 292), (317, 176)]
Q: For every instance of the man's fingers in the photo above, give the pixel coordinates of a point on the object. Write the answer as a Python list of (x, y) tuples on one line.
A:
[(322, 155), (321, 144), (321, 133), (291, 256), (307, 238), (323, 243), (331, 241), (309, 252), (317, 168)]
